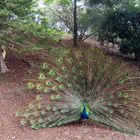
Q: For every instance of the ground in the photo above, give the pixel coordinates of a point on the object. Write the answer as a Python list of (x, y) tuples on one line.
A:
[(11, 99)]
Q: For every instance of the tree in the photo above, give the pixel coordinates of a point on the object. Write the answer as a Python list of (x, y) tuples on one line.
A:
[(66, 12), (124, 25), (75, 24), (64, 16), (10, 11)]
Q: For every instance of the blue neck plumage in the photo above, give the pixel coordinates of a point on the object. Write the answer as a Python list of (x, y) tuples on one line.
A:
[(85, 113)]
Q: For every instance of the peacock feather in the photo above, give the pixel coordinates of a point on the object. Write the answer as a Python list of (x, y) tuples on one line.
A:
[(84, 84)]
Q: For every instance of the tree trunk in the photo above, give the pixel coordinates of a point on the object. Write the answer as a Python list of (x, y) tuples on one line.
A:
[(102, 41), (3, 67), (75, 24), (113, 44), (122, 42), (107, 43), (137, 56)]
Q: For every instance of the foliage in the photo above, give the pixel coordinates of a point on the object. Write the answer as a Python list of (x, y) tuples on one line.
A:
[(63, 18), (125, 25), (112, 4), (20, 26), (10, 11)]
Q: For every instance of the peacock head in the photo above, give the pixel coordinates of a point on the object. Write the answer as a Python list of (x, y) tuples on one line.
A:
[(85, 111)]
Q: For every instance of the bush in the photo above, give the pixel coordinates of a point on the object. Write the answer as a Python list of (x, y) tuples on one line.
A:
[(125, 25)]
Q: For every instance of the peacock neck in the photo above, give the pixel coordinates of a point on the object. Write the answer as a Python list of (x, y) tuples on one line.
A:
[(85, 112)]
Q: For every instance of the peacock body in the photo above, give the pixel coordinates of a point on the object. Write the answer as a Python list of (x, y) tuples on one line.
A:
[(84, 84)]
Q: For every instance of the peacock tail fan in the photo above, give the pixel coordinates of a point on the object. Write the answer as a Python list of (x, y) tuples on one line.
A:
[(84, 84)]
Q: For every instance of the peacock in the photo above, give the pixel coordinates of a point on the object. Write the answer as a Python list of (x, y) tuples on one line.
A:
[(84, 84)]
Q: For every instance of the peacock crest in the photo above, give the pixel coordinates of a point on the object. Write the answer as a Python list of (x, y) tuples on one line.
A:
[(84, 84)]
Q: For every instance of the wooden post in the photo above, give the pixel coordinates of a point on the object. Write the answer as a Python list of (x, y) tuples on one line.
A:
[(3, 67)]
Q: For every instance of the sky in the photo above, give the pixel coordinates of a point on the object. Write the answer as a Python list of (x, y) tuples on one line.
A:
[(41, 5)]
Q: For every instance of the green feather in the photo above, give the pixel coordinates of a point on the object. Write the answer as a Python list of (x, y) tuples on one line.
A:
[(75, 80)]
